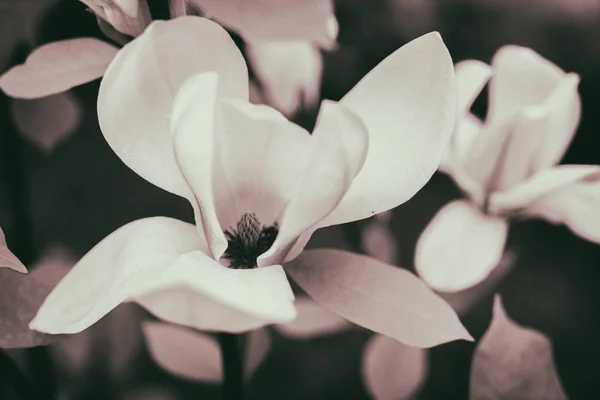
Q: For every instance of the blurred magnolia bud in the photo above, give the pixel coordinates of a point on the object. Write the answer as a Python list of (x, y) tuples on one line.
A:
[(288, 74), (127, 16)]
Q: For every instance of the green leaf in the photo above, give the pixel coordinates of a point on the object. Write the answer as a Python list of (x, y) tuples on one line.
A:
[(378, 296), (513, 362)]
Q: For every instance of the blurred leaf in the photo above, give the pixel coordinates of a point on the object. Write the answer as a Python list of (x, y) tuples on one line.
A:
[(183, 352), (312, 321), (7, 258), (20, 297), (378, 296), (513, 362), (56, 67), (48, 121), (258, 345), (392, 370)]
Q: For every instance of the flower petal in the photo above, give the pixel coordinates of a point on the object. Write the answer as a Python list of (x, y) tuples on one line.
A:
[(459, 247), (199, 292), (193, 128), (125, 262), (289, 73), (130, 17), (339, 147), (575, 205), (312, 321), (471, 77), (262, 156), (392, 370), (138, 89), (7, 258), (57, 67), (282, 20), (408, 104), (378, 296), (539, 185)]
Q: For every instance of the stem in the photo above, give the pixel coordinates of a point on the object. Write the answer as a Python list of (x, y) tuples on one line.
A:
[(232, 387), (11, 374)]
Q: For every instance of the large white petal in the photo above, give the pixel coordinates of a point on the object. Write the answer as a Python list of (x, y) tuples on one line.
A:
[(459, 247), (310, 20), (126, 261), (339, 147), (138, 89), (408, 104), (575, 205)]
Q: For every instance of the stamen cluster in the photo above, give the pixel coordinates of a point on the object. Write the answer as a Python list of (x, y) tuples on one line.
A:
[(247, 241)]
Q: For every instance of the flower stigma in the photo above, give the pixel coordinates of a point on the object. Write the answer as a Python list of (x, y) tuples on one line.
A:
[(247, 241)]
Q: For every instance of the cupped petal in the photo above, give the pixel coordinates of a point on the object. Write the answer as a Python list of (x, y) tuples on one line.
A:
[(574, 205), (193, 124), (459, 247), (408, 104), (310, 20), (139, 86), (339, 146), (201, 293), (471, 77), (289, 73), (539, 185), (126, 262), (57, 67), (522, 78), (261, 158)]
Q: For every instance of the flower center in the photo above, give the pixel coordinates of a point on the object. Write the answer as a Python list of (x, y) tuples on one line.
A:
[(248, 240)]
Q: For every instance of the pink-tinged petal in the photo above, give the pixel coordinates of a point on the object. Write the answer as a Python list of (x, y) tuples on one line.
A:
[(339, 147), (183, 352), (312, 321), (378, 296), (408, 104), (392, 370), (57, 67), (471, 77), (282, 20), (199, 292), (193, 126), (575, 205), (538, 135), (7, 258), (289, 73), (539, 185), (262, 157), (138, 89), (459, 247), (130, 17), (522, 78), (128, 261), (513, 362)]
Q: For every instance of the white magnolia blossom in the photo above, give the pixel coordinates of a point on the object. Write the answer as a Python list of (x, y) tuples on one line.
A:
[(506, 165), (173, 105)]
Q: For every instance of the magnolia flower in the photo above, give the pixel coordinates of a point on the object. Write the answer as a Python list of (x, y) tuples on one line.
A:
[(174, 107), (506, 165)]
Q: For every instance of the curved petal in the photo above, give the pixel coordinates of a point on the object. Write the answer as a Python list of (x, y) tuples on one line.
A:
[(408, 104), (193, 128), (139, 86), (57, 67), (522, 78), (125, 262), (538, 186), (575, 205), (339, 147), (201, 293), (471, 77), (281, 20), (7, 258), (459, 247), (262, 155)]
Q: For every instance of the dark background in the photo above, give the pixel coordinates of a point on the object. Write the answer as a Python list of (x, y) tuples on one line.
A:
[(81, 192)]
